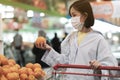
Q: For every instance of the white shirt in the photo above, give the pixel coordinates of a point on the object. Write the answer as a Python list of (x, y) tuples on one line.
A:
[(92, 47)]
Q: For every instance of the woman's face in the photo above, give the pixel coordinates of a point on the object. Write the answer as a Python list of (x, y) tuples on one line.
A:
[(75, 13)]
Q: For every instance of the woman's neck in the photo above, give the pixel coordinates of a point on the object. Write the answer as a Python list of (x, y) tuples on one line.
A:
[(86, 30)]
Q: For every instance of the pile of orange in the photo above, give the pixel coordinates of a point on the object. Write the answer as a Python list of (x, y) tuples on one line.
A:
[(9, 70)]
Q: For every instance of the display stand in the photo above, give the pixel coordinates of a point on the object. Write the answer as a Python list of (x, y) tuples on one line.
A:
[(1, 39)]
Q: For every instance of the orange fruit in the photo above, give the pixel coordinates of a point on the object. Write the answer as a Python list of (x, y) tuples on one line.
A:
[(17, 65), (23, 76), (12, 76), (37, 74), (43, 74), (14, 69), (23, 70), (6, 66), (36, 65), (1, 70), (31, 77), (3, 78), (11, 62), (30, 71), (4, 61), (38, 70), (29, 65), (6, 70), (40, 40)]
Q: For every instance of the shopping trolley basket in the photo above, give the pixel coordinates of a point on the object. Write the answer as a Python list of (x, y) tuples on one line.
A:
[(58, 66)]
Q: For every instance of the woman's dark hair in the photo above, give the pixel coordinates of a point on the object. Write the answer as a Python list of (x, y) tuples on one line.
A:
[(84, 7)]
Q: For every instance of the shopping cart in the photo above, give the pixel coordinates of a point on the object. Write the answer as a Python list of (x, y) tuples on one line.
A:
[(58, 73)]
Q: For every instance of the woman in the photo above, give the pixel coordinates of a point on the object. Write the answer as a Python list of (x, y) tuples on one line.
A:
[(40, 52), (84, 46)]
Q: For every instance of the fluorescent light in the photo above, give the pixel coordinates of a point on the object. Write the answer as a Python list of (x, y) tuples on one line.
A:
[(63, 20), (42, 14), (30, 13), (9, 15)]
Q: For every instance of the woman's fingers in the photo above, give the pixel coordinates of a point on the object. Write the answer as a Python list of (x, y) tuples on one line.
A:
[(36, 44), (43, 45), (40, 45), (91, 63), (94, 64), (47, 47)]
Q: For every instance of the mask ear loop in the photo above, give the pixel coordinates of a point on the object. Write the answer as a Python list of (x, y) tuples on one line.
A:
[(85, 14)]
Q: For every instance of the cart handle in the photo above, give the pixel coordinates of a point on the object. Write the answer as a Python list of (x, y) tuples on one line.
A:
[(85, 67)]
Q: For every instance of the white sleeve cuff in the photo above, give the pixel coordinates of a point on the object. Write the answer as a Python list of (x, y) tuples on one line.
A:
[(50, 57)]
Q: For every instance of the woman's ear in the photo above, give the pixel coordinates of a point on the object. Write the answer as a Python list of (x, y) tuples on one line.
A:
[(85, 15)]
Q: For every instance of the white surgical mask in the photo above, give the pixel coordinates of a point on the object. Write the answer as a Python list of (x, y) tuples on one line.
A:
[(75, 21)]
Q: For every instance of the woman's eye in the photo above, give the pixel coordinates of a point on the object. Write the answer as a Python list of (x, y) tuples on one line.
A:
[(73, 15)]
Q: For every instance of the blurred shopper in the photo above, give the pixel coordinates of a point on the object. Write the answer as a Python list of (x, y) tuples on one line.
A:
[(82, 47), (18, 45), (18, 40), (65, 35), (40, 52), (8, 51), (56, 43)]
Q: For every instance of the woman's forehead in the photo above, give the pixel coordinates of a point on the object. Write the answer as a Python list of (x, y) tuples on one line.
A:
[(73, 11)]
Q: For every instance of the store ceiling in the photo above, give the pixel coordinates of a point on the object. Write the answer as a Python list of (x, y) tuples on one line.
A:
[(50, 7), (24, 5)]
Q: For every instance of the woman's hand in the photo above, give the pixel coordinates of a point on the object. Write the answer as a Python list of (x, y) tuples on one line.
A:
[(94, 64), (43, 45)]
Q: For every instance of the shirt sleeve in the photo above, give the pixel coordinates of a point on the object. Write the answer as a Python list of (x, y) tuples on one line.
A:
[(52, 58), (105, 57), (104, 54)]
